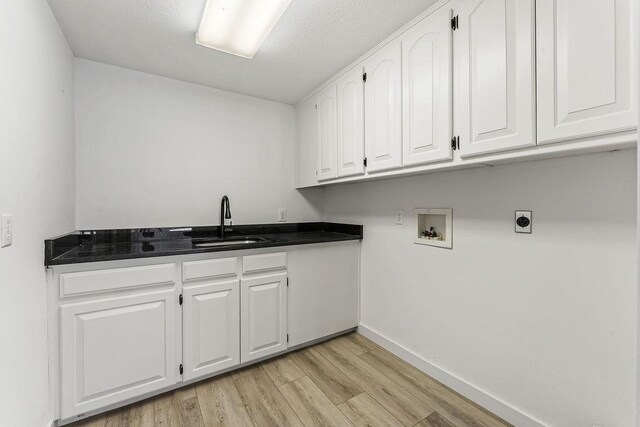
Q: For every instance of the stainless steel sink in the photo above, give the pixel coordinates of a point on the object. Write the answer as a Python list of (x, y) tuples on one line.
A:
[(228, 242)]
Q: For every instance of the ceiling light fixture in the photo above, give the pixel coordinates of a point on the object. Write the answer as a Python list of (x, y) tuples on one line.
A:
[(239, 27)]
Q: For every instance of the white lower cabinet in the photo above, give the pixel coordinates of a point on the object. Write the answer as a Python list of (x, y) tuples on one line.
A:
[(211, 328), (115, 348), (323, 293), (264, 316), (118, 330)]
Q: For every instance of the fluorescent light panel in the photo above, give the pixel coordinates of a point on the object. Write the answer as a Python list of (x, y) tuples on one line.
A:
[(239, 27)]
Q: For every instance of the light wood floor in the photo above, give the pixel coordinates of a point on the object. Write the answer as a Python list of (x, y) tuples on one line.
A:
[(348, 381)]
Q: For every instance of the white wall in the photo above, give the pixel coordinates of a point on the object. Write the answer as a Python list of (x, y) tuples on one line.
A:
[(37, 187), (152, 151), (545, 322)]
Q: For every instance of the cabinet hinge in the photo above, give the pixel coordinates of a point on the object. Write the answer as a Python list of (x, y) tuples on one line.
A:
[(454, 23), (455, 143), (287, 282), (180, 299), (364, 162), (287, 337), (316, 106), (364, 77), (181, 369)]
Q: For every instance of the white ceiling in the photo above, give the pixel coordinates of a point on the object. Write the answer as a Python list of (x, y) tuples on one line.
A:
[(312, 41)]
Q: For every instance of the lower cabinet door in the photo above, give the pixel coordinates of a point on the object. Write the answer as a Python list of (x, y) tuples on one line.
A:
[(211, 328), (264, 316), (116, 348)]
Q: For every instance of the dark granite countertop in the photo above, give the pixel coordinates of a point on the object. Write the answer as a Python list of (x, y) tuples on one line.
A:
[(109, 245)]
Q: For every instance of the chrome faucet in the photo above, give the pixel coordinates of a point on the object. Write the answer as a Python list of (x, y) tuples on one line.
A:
[(224, 214)]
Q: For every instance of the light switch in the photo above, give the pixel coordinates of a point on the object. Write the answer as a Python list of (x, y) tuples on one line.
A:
[(282, 215), (399, 217), (524, 221), (6, 238)]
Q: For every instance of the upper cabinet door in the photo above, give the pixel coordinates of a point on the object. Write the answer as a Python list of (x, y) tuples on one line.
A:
[(211, 328), (351, 124), (495, 45), (383, 105), (427, 90), (306, 151), (326, 133), (585, 68)]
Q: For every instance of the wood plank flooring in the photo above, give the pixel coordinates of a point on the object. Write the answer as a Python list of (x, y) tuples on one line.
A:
[(348, 381)]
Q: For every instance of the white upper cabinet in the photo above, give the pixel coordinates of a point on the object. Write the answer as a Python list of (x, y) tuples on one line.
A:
[(495, 52), (383, 105), (327, 133), (306, 149), (489, 78), (351, 123), (585, 68), (211, 328), (427, 89)]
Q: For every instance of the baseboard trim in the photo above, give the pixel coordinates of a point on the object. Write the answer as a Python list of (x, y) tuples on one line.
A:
[(482, 398)]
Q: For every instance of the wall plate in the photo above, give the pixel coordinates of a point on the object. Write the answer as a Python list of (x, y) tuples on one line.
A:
[(282, 215), (6, 227), (523, 222), (399, 216)]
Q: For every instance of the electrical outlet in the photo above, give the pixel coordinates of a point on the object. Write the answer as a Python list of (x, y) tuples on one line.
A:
[(282, 215), (6, 238), (524, 221), (399, 217)]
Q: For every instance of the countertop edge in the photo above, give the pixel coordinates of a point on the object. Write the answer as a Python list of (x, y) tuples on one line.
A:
[(323, 232), (262, 245)]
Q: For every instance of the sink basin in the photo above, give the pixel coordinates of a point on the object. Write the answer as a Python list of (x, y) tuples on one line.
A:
[(234, 241)]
